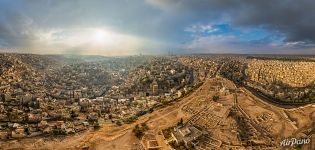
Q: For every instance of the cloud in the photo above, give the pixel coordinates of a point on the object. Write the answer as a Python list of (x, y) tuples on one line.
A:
[(86, 41), (211, 44), (199, 28), (158, 25), (16, 29), (290, 17), (51, 24), (233, 44)]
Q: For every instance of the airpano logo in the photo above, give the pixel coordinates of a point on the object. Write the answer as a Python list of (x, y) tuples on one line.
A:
[(294, 141)]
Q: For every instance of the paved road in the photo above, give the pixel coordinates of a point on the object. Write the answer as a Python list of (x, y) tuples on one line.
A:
[(272, 100)]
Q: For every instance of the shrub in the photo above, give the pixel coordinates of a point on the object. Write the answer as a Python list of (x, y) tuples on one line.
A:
[(215, 98)]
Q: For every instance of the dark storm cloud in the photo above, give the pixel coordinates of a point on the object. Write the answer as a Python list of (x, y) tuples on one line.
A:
[(293, 18)]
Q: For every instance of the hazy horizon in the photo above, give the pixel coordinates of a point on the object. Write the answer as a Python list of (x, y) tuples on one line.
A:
[(157, 27)]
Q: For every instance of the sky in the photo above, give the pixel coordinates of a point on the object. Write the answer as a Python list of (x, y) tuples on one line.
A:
[(132, 27)]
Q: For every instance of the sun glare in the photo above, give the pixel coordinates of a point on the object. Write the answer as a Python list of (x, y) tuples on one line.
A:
[(99, 36)]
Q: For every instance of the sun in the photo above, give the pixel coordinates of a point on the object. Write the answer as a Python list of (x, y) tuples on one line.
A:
[(99, 36)]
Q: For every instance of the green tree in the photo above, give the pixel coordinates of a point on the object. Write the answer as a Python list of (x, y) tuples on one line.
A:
[(144, 126), (96, 126), (139, 130), (215, 98), (118, 122)]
